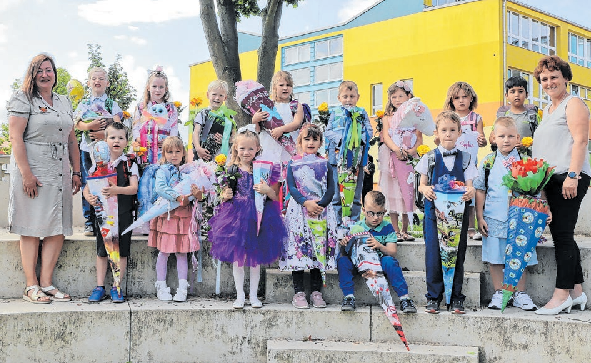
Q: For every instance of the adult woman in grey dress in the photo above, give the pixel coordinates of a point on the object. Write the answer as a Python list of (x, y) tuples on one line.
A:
[(41, 182), (562, 140)]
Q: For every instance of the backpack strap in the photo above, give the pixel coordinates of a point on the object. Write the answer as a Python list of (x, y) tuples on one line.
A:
[(488, 163), (430, 165)]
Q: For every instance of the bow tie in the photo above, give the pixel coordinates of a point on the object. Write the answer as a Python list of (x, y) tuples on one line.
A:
[(450, 153), (510, 160)]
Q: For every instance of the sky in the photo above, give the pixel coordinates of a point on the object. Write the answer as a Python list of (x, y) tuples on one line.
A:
[(157, 32)]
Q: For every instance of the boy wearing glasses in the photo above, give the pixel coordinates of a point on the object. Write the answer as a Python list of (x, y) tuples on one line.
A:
[(383, 241)]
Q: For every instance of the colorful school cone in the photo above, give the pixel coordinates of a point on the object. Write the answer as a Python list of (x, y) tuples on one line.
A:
[(347, 185), (527, 221), (107, 213), (261, 171), (449, 211), (415, 113), (368, 264)]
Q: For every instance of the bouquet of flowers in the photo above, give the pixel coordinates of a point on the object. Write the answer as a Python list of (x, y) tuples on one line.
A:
[(525, 147), (226, 175), (527, 218), (323, 114), (421, 150)]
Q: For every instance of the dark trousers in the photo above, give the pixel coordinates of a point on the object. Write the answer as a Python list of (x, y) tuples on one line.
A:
[(435, 287), (565, 213), (87, 209), (298, 280)]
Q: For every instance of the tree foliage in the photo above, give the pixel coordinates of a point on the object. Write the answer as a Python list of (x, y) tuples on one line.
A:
[(222, 39)]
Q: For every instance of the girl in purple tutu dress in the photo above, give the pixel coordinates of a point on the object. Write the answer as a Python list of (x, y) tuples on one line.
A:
[(169, 233), (233, 234)]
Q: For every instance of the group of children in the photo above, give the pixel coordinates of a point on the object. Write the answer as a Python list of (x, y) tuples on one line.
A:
[(321, 196)]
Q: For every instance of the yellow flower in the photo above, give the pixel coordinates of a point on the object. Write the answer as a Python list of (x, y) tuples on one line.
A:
[(527, 141), (196, 101), (126, 114), (380, 114), (540, 113), (177, 104), (323, 107), (220, 159), (423, 149)]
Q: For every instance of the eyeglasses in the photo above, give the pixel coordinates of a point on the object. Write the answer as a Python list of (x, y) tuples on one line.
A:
[(374, 214)]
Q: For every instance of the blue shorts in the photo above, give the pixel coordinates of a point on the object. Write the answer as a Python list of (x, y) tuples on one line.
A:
[(493, 251)]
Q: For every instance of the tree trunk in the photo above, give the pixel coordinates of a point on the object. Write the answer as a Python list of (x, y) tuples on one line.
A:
[(267, 53), (223, 48)]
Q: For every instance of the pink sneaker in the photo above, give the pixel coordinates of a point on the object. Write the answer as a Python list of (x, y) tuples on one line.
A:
[(317, 300), (299, 301)]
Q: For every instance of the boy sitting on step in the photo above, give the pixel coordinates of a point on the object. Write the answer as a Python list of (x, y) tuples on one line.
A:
[(384, 243)]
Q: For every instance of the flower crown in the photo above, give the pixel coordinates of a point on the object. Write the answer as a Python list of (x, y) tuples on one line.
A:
[(403, 85)]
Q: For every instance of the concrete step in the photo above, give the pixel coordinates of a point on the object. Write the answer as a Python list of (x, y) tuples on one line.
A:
[(295, 351), (279, 288), (209, 330)]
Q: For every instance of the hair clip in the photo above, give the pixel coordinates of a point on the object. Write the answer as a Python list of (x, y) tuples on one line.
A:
[(402, 84), (158, 71)]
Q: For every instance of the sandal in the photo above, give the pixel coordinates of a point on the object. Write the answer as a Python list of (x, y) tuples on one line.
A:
[(37, 295), (407, 237), (399, 237), (58, 295)]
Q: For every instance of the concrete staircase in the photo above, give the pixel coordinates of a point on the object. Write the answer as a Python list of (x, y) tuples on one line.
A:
[(206, 329)]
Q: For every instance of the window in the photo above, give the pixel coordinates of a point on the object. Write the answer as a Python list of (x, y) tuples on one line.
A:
[(301, 77), (303, 97), (443, 2), (329, 48), (531, 34), (329, 96), (329, 72), (579, 50), (297, 54), (535, 94), (574, 90), (376, 98)]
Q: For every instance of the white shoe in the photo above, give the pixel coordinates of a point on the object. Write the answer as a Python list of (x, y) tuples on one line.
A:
[(256, 303), (565, 306), (181, 292), (163, 291), (238, 304), (497, 300), (522, 300), (581, 300), (477, 236)]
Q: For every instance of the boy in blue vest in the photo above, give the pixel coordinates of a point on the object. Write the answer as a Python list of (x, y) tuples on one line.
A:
[(126, 190), (445, 159), (348, 133), (93, 130), (492, 208), (383, 241)]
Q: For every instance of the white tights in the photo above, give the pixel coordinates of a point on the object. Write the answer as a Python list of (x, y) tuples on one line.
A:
[(255, 276)]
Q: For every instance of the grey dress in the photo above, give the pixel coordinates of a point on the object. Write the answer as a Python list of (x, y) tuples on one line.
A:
[(46, 143)]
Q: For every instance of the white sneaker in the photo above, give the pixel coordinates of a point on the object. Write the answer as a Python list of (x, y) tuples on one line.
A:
[(163, 291), (181, 292), (497, 300), (477, 236), (522, 300)]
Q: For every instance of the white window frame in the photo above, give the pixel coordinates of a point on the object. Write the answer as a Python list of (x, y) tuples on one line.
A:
[(303, 53), (329, 91), (295, 72), (329, 53), (575, 90), (574, 57), (377, 94), (527, 42), (330, 66), (303, 97)]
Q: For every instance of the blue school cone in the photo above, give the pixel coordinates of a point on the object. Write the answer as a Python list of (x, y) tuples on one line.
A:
[(527, 220), (449, 212)]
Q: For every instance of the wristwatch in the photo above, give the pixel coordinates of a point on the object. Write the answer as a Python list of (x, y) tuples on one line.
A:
[(572, 174)]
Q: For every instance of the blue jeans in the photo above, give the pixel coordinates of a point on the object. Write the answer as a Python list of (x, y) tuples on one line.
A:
[(336, 200), (391, 269), (87, 209)]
